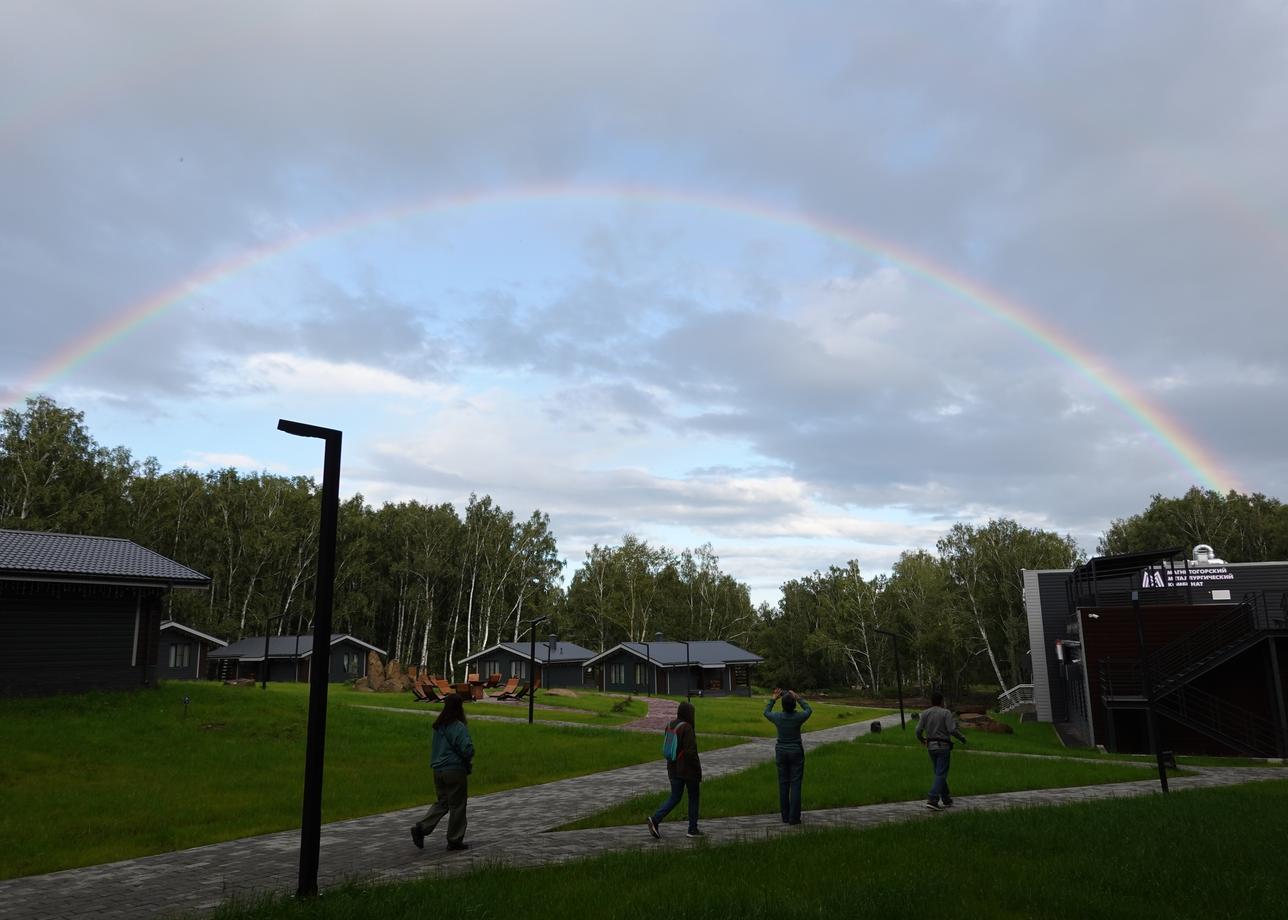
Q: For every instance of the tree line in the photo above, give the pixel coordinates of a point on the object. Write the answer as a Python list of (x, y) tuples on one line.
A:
[(431, 583)]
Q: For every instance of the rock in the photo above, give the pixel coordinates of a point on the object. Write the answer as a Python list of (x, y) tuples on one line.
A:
[(390, 686), (375, 671), (363, 686), (560, 691)]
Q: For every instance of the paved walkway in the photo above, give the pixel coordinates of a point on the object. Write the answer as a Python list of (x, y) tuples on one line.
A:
[(504, 828)]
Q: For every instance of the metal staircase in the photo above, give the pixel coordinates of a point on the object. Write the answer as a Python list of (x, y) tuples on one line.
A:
[(1174, 667)]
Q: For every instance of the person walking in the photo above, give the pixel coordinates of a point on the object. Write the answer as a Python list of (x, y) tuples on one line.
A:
[(936, 729), (684, 772), (789, 751), (452, 760)]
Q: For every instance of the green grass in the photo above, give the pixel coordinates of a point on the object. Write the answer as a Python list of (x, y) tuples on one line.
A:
[(1126, 858), (585, 708), (1041, 738), (844, 774), (741, 715), (105, 776)]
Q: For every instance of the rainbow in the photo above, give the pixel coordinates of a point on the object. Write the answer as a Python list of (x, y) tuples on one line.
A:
[(1168, 432)]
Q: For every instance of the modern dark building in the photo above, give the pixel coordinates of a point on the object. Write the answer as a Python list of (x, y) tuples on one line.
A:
[(289, 659), (82, 613), (182, 652), (711, 667), (1215, 643), (559, 664)]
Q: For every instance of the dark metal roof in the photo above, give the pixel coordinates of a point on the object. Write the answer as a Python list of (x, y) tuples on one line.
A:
[(1126, 564), (707, 653), (25, 553), (562, 653), (252, 647)]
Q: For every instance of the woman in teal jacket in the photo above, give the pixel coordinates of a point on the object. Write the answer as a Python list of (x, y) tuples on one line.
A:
[(451, 758), (789, 752)]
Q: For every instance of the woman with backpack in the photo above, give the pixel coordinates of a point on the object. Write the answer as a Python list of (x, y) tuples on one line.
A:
[(684, 770), (452, 760)]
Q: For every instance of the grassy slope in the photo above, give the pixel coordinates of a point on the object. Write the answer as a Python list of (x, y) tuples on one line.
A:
[(740, 715), (1146, 857), (98, 777), (587, 708), (843, 774)]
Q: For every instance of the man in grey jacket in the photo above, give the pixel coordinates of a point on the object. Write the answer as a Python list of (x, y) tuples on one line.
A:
[(936, 729)]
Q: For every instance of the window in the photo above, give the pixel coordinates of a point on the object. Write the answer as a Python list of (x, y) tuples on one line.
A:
[(350, 662), (489, 667), (519, 669), (641, 675), (180, 654), (617, 674)]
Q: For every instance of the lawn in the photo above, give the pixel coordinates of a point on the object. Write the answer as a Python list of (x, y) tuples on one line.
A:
[(741, 715), (846, 773), (587, 707), (105, 776), (1041, 738), (1142, 857)]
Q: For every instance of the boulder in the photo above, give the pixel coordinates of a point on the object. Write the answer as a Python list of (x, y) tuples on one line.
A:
[(375, 671)]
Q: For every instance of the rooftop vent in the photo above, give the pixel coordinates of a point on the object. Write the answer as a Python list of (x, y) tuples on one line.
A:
[(1206, 555)]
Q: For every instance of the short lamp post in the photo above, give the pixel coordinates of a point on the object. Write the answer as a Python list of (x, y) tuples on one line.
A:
[(898, 673), (688, 672), (263, 675), (315, 746)]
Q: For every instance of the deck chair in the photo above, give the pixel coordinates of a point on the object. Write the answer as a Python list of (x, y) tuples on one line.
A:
[(493, 680), (516, 695), (510, 686), (472, 679), (444, 688)]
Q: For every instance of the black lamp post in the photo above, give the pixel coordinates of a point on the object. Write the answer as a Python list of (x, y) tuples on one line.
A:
[(898, 673), (264, 673), (315, 748), (1147, 692), (532, 663), (688, 672)]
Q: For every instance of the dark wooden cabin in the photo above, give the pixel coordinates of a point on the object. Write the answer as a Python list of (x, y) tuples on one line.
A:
[(183, 652), (559, 664), (707, 667), (81, 612), (289, 659)]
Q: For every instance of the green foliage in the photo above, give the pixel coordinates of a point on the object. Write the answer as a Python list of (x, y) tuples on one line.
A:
[(1241, 528), (1149, 856)]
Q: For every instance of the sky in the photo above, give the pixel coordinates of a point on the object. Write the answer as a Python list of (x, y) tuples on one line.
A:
[(807, 282)]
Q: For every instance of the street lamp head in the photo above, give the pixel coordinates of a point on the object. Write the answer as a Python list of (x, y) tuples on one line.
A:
[(300, 429)]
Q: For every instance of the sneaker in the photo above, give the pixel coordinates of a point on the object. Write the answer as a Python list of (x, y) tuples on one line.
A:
[(695, 834), (458, 845), (934, 806), (652, 828), (947, 803), (418, 836)]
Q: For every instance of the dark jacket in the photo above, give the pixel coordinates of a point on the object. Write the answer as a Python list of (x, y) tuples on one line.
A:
[(687, 766), (452, 748)]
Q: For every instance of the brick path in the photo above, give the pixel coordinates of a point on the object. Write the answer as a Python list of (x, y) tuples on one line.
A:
[(660, 713), (501, 824)]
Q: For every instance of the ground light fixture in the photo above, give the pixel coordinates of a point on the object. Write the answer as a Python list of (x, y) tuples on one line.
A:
[(319, 671)]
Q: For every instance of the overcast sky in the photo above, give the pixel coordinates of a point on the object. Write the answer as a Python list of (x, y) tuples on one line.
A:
[(597, 258)]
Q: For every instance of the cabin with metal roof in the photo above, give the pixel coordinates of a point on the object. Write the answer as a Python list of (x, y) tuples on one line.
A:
[(183, 652), (289, 658), (559, 664), (81, 612), (708, 667)]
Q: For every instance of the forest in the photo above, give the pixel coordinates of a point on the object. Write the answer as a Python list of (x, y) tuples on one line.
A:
[(432, 583)]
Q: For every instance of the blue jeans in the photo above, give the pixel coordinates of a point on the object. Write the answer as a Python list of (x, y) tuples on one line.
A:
[(677, 790), (939, 789), (791, 771)]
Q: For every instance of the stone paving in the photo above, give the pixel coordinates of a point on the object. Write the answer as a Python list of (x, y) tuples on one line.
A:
[(505, 828)]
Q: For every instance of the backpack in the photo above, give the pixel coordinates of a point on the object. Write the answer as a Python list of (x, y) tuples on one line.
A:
[(671, 742)]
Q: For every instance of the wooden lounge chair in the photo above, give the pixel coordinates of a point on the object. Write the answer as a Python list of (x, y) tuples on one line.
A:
[(515, 695), (472, 679), (510, 686), (444, 688), (421, 695), (493, 680)]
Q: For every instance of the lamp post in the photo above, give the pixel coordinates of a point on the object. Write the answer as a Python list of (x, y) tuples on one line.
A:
[(1146, 690), (264, 673), (532, 663), (315, 746), (657, 637), (688, 672), (898, 673)]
